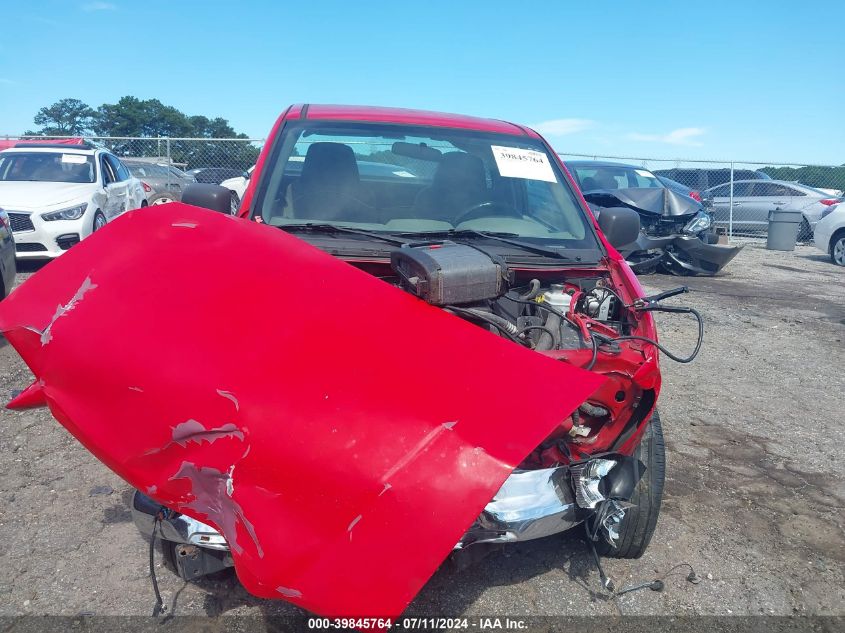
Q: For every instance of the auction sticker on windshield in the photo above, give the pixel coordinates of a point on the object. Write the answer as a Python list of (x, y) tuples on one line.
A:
[(74, 159), (514, 162)]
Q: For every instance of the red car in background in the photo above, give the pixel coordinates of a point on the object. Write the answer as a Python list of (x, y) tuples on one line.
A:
[(371, 370)]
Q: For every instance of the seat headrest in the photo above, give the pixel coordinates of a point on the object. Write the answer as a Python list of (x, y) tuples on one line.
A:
[(589, 184), (461, 171), (332, 163), (606, 181)]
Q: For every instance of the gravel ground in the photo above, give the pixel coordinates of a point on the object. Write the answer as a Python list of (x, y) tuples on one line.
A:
[(753, 500)]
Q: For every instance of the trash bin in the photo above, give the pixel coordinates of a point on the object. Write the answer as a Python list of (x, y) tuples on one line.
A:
[(783, 229)]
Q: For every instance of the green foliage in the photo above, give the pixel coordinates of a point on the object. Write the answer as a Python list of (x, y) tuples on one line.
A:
[(68, 117), (150, 119), (821, 177), (132, 117)]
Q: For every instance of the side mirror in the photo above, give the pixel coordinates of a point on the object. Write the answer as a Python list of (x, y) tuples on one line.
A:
[(246, 175), (620, 225), (212, 197)]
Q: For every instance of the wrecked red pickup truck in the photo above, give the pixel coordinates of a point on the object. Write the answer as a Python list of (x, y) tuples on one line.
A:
[(414, 341)]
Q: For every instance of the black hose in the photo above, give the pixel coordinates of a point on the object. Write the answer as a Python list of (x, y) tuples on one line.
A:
[(491, 316), (546, 330), (159, 607), (677, 359), (533, 291), (473, 315)]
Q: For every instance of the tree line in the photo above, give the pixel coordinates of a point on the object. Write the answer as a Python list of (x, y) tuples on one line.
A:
[(148, 119), (823, 177)]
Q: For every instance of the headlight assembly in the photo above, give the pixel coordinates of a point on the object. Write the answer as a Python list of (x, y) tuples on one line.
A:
[(701, 222), (71, 213)]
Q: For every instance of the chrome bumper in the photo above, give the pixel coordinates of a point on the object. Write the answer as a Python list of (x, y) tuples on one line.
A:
[(530, 504)]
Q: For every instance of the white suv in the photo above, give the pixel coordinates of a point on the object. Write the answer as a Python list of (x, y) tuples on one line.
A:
[(56, 195)]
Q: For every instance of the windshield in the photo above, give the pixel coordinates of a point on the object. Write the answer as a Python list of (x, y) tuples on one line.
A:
[(146, 170), (611, 177), (406, 179), (46, 167)]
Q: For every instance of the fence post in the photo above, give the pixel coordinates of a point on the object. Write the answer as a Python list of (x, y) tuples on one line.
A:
[(169, 162), (731, 207)]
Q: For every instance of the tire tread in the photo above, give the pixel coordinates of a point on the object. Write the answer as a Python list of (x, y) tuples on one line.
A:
[(640, 521)]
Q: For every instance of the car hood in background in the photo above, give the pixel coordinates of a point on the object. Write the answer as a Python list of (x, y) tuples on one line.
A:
[(339, 432), (234, 183), (653, 201), (37, 195)]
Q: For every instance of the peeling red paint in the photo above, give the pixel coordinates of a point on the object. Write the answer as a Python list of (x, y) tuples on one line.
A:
[(369, 428)]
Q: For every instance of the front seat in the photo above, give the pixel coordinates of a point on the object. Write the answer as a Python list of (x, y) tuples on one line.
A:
[(606, 182), (589, 184), (458, 184), (329, 183)]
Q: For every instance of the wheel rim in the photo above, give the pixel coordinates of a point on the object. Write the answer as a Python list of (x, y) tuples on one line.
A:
[(839, 251), (235, 204), (99, 222), (163, 200)]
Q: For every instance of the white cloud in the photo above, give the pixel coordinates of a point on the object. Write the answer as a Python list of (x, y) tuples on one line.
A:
[(562, 127), (99, 6), (681, 136)]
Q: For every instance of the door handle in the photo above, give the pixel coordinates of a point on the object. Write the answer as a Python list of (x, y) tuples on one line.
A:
[(737, 204)]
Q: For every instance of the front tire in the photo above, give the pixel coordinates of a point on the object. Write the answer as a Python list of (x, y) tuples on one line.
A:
[(161, 198), (99, 221), (236, 203), (638, 525), (837, 248)]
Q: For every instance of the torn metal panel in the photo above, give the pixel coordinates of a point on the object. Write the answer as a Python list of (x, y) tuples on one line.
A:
[(353, 404)]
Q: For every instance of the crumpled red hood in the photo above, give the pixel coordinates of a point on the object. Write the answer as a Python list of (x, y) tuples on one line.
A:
[(340, 433)]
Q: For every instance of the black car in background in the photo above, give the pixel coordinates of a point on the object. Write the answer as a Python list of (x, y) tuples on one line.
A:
[(214, 175), (701, 179), (676, 233)]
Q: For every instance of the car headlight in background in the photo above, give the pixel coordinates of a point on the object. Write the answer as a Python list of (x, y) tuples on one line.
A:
[(71, 213), (701, 222)]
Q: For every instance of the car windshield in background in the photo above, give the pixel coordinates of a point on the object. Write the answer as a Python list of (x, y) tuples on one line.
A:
[(611, 177), (147, 170), (418, 180), (47, 167)]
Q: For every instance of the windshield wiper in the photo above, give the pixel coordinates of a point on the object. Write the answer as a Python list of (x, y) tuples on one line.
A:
[(332, 229), (495, 236)]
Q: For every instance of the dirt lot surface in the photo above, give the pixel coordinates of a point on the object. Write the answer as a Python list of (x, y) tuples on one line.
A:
[(754, 497)]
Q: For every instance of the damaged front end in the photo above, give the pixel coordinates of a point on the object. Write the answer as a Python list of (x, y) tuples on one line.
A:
[(677, 232), (531, 504)]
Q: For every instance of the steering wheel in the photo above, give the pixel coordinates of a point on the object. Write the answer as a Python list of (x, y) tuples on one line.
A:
[(486, 209)]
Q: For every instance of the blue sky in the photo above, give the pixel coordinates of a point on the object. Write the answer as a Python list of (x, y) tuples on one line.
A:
[(717, 80)]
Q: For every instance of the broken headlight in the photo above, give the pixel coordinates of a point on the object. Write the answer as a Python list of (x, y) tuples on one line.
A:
[(71, 213), (701, 222), (586, 479)]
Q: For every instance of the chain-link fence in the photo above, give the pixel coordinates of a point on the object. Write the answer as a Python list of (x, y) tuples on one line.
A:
[(166, 165), (741, 194)]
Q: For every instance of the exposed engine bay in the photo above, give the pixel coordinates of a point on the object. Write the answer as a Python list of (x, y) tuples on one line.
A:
[(577, 321)]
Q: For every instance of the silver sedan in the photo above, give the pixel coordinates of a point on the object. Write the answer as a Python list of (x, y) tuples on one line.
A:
[(753, 199)]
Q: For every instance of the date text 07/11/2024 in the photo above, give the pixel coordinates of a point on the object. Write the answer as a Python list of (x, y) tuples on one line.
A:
[(413, 623)]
